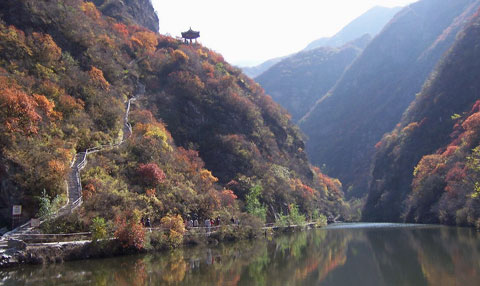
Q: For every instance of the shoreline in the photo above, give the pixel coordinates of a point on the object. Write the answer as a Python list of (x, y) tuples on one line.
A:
[(59, 252)]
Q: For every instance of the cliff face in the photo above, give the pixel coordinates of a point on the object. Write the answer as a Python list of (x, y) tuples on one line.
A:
[(140, 12), (372, 94), (427, 169)]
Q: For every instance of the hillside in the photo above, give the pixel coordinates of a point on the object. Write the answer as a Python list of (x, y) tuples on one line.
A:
[(298, 81), (206, 140), (368, 101), (427, 169), (370, 22)]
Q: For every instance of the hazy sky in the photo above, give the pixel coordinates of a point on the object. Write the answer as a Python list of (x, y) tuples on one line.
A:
[(248, 32)]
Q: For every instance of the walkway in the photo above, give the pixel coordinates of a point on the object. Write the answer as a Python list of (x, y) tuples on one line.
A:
[(74, 184)]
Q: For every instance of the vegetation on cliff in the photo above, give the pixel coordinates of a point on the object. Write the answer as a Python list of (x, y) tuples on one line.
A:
[(373, 93), (428, 168), (204, 135)]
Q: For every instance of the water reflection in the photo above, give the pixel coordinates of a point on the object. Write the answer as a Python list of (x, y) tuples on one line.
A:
[(341, 256)]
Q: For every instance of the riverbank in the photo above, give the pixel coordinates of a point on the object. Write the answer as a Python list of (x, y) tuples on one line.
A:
[(20, 253)]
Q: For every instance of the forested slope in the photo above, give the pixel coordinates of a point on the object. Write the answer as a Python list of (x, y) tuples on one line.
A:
[(370, 98), (428, 168), (206, 139)]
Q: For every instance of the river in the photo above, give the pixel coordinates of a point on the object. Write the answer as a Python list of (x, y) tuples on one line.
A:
[(346, 254)]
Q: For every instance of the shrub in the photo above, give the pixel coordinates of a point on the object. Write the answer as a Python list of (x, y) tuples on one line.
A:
[(98, 229), (293, 218), (130, 232), (175, 227)]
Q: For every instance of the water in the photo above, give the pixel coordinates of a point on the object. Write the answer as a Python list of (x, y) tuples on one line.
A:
[(357, 254)]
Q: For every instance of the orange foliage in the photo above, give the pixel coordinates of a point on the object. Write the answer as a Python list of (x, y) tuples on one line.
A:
[(228, 197), (187, 80), (56, 166), (47, 107), (130, 232), (69, 104), (121, 29), (180, 56), (207, 176), (96, 75), (45, 47), (90, 10), (18, 110), (145, 39), (151, 193), (88, 191), (209, 69)]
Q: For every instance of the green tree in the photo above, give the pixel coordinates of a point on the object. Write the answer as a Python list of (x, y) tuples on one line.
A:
[(253, 205), (98, 229)]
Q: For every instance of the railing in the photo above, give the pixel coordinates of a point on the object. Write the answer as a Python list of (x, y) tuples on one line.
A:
[(45, 238), (70, 206)]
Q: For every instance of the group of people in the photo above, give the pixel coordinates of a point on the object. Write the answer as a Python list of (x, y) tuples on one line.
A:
[(208, 223)]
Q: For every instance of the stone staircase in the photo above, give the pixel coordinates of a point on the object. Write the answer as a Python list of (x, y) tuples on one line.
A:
[(74, 184)]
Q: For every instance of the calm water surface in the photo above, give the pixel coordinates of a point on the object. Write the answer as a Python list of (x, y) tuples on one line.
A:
[(356, 254)]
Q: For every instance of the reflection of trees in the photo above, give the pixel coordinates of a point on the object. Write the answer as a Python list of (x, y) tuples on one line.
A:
[(401, 256), (448, 256)]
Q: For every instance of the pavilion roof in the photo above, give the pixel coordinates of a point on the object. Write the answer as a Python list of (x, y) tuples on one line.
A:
[(190, 34)]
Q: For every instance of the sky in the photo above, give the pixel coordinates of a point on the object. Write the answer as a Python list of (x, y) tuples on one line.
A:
[(248, 32)]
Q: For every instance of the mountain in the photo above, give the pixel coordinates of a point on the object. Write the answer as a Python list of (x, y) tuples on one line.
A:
[(138, 12), (298, 81), (370, 22), (368, 101), (204, 139), (259, 69), (427, 170)]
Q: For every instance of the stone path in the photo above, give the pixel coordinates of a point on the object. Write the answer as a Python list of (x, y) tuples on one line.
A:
[(74, 184)]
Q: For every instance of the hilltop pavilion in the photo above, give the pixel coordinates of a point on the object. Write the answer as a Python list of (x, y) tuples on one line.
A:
[(190, 35)]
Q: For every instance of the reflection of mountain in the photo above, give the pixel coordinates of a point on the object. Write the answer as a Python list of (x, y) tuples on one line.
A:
[(395, 258), (444, 259), (361, 256)]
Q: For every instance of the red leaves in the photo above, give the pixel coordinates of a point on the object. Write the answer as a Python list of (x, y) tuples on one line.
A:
[(228, 197), (151, 174), (121, 29), (472, 122), (130, 232), (88, 191)]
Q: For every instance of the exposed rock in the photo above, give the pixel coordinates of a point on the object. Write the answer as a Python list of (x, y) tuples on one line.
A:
[(140, 12)]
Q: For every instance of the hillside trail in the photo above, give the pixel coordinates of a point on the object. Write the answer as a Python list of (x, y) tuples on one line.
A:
[(73, 181)]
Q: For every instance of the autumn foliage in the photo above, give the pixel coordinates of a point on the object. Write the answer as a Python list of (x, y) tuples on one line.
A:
[(151, 174), (129, 231)]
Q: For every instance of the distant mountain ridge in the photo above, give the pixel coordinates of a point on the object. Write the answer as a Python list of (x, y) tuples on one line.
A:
[(371, 22), (298, 81)]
